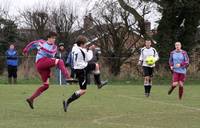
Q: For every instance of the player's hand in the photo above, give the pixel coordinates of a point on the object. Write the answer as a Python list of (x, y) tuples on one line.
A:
[(92, 47), (178, 65), (171, 67)]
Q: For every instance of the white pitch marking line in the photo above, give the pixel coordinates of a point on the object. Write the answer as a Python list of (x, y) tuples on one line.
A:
[(154, 101), (100, 120)]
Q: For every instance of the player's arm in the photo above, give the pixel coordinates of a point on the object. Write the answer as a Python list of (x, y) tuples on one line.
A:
[(185, 63), (88, 51), (33, 45), (141, 58), (12, 57), (7, 55), (88, 55), (156, 55)]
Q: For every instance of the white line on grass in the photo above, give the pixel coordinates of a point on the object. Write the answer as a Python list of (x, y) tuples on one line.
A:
[(102, 121), (160, 102)]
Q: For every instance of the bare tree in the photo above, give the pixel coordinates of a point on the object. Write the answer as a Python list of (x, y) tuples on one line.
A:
[(63, 19), (118, 33), (5, 8), (138, 17), (36, 19), (35, 22)]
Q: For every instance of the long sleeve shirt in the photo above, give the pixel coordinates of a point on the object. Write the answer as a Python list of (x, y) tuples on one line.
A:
[(179, 57), (11, 57), (44, 49), (145, 52), (81, 57)]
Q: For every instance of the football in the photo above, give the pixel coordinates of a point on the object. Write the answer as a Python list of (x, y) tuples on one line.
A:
[(150, 60)]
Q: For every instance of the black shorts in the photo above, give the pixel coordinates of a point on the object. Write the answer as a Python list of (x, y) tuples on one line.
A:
[(148, 71), (81, 74), (12, 71)]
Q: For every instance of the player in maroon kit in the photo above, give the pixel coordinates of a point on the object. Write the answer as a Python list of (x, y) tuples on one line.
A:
[(44, 62)]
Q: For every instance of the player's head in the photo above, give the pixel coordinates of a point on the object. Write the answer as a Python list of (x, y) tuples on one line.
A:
[(51, 37), (178, 45), (12, 46), (61, 46), (81, 40), (147, 43)]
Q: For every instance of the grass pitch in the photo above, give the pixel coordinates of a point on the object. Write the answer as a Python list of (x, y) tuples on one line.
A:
[(122, 106)]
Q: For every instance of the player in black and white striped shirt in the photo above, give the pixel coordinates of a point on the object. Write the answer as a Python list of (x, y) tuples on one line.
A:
[(81, 56), (147, 69)]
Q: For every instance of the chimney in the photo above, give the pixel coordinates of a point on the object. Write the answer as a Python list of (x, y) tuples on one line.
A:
[(147, 26), (88, 22)]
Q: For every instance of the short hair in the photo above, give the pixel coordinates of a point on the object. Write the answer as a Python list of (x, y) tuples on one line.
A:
[(81, 40), (11, 44), (147, 40), (178, 42), (51, 34)]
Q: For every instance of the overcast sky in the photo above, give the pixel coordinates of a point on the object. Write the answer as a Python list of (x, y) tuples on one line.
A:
[(81, 6), (14, 5)]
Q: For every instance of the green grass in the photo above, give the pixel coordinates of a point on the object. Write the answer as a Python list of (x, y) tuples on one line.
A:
[(121, 106)]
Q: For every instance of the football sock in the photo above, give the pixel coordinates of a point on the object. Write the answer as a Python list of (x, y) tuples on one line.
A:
[(145, 89), (171, 89), (180, 92), (73, 97), (39, 91), (61, 66), (97, 79), (149, 89)]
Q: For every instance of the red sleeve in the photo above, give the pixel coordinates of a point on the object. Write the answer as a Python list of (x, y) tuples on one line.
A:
[(185, 63)]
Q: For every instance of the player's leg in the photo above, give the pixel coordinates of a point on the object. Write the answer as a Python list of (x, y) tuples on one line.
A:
[(150, 85), (60, 64), (181, 83), (15, 75), (146, 85), (150, 79), (97, 74), (9, 75), (45, 78), (146, 81), (81, 75), (44, 72), (174, 82)]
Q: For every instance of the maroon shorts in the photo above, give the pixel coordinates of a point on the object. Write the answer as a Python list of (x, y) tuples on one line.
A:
[(178, 77), (44, 66)]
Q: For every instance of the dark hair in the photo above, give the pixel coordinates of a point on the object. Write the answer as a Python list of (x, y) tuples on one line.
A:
[(51, 34), (147, 39), (81, 40)]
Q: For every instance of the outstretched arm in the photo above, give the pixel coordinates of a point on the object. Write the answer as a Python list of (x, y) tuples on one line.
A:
[(33, 45)]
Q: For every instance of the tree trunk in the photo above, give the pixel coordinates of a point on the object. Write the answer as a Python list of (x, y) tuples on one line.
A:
[(115, 66), (138, 17)]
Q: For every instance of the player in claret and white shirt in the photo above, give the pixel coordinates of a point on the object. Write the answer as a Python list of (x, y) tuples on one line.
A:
[(178, 62), (81, 56), (45, 60)]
